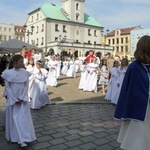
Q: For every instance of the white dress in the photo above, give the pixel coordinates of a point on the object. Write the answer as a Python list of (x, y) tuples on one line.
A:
[(39, 93), (18, 121), (134, 134), (103, 80), (83, 78), (65, 67), (71, 71), (58, 69), (52, 74), (120, 77), (91, 83), (30, 69), (77, 65), (111, 84)]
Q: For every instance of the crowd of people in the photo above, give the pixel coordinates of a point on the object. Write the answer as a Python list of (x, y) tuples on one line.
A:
[(27, 75)]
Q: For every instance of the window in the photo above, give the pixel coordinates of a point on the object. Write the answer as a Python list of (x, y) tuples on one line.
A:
[(77, 6), (77, 16), (77, 41), (126, 39), (56, 38), (5, 38), (37, 42), (95, 43), (117, 41), (117, 49), (121, 48), (37, 29), (5, 29), (32, 19), (42, 28), (64, 28), (42, 41), (10, 29), (126, 48), (37, 17), (95, 33), (109, 42), (56, 27), (121, 40), (9, 37), (0, 28), (89, 42), (113, 41), (89, 32)]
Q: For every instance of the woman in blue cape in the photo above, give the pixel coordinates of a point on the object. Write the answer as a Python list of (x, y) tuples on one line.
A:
[(133, 106)]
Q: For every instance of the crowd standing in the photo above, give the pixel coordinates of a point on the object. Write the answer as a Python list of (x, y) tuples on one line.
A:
[(38, 72)]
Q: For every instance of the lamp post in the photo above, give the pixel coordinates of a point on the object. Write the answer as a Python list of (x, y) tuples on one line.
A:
[(27, 31)]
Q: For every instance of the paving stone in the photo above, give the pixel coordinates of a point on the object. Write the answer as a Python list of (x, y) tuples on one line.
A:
[(85, 133), (88, 139), (72, 137), (60, 134), (40, 146), (104, 147), (57, 141), (73, 143), (44, 138), (58, 147), (88, 146), (101, 141)]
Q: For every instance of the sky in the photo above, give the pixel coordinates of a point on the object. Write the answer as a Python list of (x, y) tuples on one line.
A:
[(111, 14)]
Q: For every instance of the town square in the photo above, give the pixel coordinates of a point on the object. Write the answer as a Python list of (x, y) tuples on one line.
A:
[(74, 75)]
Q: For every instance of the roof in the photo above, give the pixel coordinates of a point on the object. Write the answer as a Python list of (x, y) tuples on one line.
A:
[(14, 45), (123, 30), (53, 11)]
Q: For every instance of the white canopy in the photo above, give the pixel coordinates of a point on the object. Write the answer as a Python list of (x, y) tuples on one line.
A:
[(14, 46)]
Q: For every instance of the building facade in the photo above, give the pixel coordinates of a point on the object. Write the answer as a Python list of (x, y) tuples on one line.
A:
[(120, 39), (6, 32), (135, 36), (65, 28), (10, 31)]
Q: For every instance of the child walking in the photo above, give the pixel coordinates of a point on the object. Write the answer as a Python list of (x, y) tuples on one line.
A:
[(39, 94), (18, 121), (133, 106)]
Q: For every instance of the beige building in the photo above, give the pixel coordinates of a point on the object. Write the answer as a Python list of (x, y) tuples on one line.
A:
[(120, 39), (65, 28), (10, 31)]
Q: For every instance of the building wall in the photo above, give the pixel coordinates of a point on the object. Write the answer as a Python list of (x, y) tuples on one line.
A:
[(6, 32), (135, 36), (121, 44)]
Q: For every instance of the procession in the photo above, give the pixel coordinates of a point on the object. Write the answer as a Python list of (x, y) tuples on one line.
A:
[(74, 75)]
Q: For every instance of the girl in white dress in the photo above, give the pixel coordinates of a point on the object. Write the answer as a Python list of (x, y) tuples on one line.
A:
[(65, 66), (71, 71), (18, 121), (30, 68), (39, 93), (91, 83), (52, 74), (84, 73), (133, 107), (58, 67), (120, 76), (112, 81), (103, 80)]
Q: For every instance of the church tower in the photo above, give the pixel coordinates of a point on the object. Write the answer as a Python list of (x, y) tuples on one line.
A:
[(73, 10)]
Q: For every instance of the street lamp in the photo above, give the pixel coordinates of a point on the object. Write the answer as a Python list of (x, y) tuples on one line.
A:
[(27, 31)]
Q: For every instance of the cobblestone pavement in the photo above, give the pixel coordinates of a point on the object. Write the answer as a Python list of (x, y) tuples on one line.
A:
[(76, 120)]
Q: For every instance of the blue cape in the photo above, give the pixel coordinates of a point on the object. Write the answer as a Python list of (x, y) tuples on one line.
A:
[(134, 94)]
